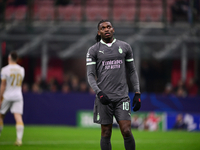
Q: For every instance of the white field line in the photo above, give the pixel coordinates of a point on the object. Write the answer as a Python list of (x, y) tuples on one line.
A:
[(95, 142)]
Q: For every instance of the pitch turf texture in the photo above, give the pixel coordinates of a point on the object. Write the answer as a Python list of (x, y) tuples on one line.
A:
[(73, 138)]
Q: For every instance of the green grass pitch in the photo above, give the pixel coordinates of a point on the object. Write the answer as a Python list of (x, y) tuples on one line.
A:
[(74, 138)]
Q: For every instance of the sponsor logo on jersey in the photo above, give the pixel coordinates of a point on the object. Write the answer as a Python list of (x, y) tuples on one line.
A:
[(112, 64), (102, 51), (120, 50)]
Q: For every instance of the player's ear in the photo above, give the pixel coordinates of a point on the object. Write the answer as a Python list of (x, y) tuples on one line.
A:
[(98, 33)]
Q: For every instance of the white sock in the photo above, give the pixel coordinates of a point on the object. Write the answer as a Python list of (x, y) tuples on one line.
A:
[(20, 131)]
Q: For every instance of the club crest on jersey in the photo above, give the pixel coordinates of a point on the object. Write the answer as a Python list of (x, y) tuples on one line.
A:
[(120, 50)]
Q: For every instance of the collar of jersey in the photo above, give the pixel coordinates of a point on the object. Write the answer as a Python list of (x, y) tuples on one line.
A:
[(107, 44)]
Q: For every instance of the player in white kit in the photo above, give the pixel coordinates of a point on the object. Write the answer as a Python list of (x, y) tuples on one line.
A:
[(11, 97)]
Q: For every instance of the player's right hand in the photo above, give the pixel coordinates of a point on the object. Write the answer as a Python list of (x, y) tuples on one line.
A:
[(103, 98)]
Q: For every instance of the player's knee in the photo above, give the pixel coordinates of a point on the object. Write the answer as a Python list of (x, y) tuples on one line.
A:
[(126, 132), (106, 133)]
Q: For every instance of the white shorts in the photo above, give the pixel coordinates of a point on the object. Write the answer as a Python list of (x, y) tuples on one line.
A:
[(14, 106)]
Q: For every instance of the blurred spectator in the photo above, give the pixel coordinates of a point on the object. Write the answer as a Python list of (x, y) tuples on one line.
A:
[(145, 124), (152, 122), (36, 88), (136, 122), (192, 88), (53, 88), (83, 86), (180, 89), (168, 89), (65, 88), (53, 85), (67, 78), (189, 121), (75, 83), (181, 92), (179, 124), (25, 88), (41, 83)]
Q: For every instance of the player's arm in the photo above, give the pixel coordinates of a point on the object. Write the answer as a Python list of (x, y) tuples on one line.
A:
[(91, 69), (2, 89), (131, 69), (132, 72), (91, 74)]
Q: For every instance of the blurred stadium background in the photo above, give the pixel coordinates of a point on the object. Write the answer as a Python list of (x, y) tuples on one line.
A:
[(53, 36)]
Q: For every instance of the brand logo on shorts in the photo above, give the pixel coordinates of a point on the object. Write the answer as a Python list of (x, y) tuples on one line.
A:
[(98, 117)]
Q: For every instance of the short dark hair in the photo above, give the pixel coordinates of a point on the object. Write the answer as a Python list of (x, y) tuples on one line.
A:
[(14, 55), (98, 37)]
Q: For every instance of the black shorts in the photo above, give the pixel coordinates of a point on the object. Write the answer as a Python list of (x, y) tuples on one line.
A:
[(103, 114)]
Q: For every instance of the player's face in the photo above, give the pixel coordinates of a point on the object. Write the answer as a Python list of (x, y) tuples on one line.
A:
[(106, 31)]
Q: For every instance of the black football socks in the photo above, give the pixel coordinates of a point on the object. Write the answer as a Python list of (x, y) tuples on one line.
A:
[(105, 143), (129, 143)]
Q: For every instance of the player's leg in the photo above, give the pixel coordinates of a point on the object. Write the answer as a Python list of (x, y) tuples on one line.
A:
[(5, 105), (17, 110), (123, 117), (1, 123), (103, 114), (106, 131), (19, 128), (125, 127)]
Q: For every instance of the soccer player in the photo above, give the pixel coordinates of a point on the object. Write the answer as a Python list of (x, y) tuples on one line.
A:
[(107, 62), (11, 97)]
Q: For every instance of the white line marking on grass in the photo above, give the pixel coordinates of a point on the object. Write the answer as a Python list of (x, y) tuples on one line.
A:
[(51, 142), (95, 142)]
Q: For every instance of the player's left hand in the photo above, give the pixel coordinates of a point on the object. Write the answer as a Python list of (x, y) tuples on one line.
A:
[(136, 102)]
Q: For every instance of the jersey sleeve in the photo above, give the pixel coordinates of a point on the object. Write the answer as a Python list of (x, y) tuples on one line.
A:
[(23, 72), (91, 70), (130, 65), (129, 54), (3, 74)]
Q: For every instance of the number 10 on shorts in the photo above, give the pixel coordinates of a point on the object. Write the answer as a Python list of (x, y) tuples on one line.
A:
[(126, 106)]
